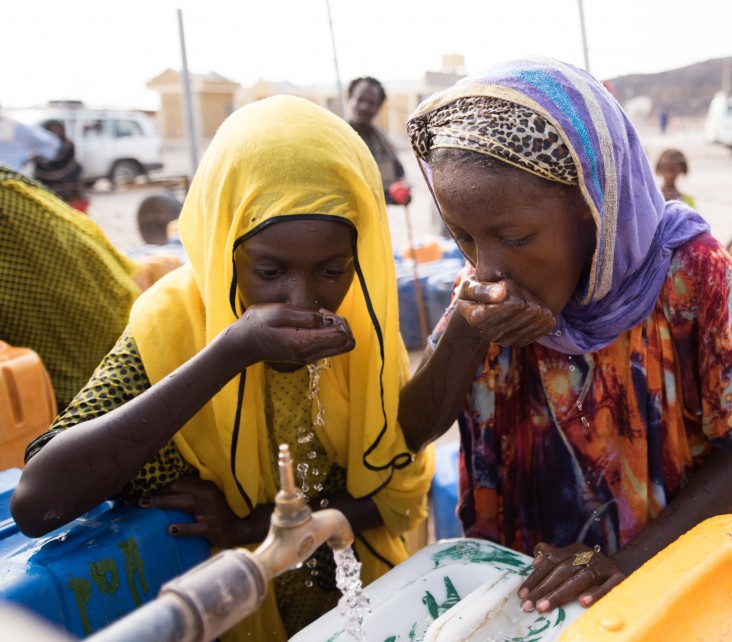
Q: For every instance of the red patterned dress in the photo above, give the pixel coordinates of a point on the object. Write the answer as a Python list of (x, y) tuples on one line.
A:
[(591, 448)]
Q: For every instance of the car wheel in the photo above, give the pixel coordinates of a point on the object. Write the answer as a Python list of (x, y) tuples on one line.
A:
[(124, 172), (153, 216)]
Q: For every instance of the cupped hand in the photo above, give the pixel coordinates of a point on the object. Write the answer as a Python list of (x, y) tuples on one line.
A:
[(214, 520), (282, 333), (562, 574), (504, 313)]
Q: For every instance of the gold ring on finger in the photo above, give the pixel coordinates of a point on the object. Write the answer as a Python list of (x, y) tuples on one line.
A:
[(582, 559)]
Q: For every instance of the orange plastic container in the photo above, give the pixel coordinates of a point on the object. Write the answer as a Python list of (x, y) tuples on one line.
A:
[(682, 594), (153, 267), (27, 402), (424, 252)]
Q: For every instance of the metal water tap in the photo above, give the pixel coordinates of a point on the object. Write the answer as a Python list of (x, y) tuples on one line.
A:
[(295, 532), (212, 597)]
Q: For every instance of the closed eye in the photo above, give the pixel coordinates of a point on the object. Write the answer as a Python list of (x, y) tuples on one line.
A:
[(268, 273), (333, 273), (516, 242)]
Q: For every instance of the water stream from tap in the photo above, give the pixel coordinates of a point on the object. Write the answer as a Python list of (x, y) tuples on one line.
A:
[(354, 605)]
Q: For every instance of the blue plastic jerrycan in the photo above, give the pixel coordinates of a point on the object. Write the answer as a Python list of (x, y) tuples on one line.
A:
[(93, 571)]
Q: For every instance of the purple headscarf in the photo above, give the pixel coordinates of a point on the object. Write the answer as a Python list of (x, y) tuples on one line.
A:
[(637, 230)]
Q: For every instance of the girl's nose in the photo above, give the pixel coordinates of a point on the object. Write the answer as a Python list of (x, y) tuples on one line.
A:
[(491, 271), (303, 296)]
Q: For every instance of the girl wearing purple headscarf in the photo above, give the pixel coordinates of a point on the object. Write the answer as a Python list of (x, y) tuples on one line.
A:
[(587, 353)]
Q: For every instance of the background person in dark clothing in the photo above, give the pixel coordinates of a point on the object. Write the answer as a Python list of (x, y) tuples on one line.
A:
[(365, 97), (62, 175)]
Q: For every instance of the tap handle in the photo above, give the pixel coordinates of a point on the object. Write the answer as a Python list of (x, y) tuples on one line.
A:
[(291, 506), (287, 477)]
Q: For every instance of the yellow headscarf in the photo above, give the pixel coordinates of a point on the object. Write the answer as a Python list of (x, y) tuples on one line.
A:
[(281, 157)]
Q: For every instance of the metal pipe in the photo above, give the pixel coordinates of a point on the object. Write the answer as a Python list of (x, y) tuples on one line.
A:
[(584, 36), (339, 88), (214, 596), (187, 102), (197, 606)]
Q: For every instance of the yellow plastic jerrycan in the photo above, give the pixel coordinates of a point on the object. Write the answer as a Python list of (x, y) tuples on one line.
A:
[(682, 594), (27, 402)]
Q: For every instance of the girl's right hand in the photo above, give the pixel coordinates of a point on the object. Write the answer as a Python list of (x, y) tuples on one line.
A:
[(282, 333), (503, 313)]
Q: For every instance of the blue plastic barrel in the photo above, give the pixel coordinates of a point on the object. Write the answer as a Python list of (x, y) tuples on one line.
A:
[(100, 567), (444, 491), (408, 311), (439, 286)]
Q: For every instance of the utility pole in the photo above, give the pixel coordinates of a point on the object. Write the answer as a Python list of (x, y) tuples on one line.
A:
[(726, 74), (584, 36), (341, 104), (187, 104)]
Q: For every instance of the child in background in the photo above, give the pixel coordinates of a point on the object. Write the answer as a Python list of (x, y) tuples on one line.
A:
[(671, 164), (290, 262)]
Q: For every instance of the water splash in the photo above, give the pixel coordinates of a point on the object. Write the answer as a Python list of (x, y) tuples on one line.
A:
[(354, 605), (302, 474), (315, 370)]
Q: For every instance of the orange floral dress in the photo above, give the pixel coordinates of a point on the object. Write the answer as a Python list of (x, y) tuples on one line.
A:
[(590, 448)]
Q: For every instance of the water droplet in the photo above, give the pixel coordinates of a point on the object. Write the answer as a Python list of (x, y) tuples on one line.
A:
[(315, 472), (572, 368), (597, 519), (311, 563), (318, 487), (585, 422), (579, 405), (314, 572), (312, 455), (558, 333), (309, 583), (323, 503), (597, 548)]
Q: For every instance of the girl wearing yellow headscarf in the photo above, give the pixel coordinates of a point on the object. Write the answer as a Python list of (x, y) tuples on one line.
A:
[(290, 262)]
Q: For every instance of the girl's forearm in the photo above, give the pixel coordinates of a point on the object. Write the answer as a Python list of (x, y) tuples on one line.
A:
[(90, 462), (431, 401)]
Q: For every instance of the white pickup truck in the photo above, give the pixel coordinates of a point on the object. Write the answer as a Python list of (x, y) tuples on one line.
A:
[(718, 123), (110, 143)]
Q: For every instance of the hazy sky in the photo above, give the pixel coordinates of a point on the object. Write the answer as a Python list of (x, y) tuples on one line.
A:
[(104, 51)]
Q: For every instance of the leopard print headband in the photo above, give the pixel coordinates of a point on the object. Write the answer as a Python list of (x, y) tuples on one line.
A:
[(509, 132)]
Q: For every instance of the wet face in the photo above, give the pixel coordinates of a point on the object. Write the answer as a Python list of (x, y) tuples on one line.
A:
[(515, 226), (305, 263), (365, 102)]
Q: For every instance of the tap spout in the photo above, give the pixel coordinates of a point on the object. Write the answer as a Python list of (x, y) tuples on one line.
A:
[(295, 532)]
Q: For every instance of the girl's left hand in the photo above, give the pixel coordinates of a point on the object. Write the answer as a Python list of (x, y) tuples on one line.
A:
[(214, 520), (562, 574)]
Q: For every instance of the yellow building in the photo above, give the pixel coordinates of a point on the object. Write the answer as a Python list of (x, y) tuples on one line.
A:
[(215, 97), (212, 100)]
